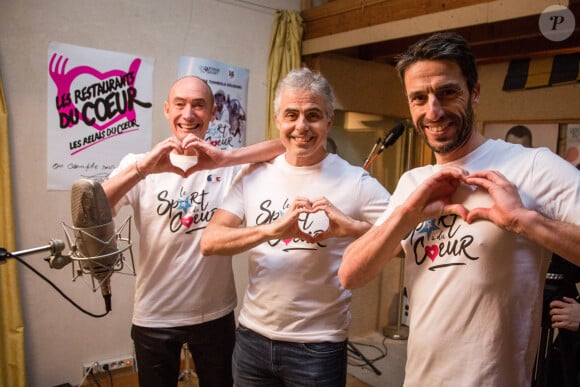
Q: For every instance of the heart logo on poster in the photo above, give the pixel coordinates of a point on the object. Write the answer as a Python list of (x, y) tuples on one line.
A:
[(99, 99)]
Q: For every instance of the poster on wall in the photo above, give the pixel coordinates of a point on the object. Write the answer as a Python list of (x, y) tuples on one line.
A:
[(528, 134), (98, 110), (229, 85), (573, 144)]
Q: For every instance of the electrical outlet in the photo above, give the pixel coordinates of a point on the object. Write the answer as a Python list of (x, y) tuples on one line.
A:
[(117, 363)]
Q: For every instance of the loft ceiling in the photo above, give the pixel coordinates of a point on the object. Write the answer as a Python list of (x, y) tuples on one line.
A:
[(501, 40)]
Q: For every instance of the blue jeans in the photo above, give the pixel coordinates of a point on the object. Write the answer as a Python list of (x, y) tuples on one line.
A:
[(211, 344), (259, 361)]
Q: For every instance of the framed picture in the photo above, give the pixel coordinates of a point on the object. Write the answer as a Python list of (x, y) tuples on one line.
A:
[(528, 134), (572, 151)]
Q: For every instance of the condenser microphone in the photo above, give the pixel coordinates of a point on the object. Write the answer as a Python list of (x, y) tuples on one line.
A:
[(95, 245), (392, 136)]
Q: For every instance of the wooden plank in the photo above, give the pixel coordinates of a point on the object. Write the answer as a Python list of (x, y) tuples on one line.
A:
[(490, 42), (346, 15)]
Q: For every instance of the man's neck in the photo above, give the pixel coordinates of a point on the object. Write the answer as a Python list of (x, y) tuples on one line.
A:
[(475, 140)]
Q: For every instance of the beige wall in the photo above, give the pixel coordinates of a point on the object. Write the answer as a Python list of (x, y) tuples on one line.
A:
[(59, 338), (362, 86)]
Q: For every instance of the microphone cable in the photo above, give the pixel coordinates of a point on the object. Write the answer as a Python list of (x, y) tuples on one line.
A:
[(354, 359), (19, 259)]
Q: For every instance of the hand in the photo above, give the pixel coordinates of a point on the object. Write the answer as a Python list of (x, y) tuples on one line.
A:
[(157, 159), (188, 145), (208, 155), (339, 224), (286, 226), (433, 197), (565, 314), (507, 201)]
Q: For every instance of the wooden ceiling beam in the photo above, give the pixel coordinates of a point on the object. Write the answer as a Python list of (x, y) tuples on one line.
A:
[(491, 42), (347, 15)]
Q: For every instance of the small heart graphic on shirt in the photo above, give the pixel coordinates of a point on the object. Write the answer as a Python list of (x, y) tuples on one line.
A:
[(432, 252), (187, 221)]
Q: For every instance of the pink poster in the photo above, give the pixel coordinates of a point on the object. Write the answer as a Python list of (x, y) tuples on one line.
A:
[(99, 108)]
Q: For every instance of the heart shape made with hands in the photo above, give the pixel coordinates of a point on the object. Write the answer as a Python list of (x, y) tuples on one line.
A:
[(184, 161), (314, 223)]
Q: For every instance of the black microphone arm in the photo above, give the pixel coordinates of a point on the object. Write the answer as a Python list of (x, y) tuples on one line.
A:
[(56, 260), (389, 139), (392, 136)]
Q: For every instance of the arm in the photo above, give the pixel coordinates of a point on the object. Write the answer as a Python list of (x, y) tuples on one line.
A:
[(223, 236), (364, 258), (210, 156), (509, 213), (560, 237), (565, 314), (262, 151), (155, 161)]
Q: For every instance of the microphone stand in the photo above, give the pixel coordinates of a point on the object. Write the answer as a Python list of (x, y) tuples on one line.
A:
[(56, 260), (374, 153), (398, 332)]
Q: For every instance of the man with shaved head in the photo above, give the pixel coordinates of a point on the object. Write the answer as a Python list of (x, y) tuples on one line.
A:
[(181, 297)]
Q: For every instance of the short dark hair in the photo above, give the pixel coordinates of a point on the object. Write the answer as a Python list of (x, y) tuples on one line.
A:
[(441, 46), (519, 131)]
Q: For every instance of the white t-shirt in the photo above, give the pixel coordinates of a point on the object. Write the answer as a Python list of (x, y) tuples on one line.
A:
[(475, 291), (294, 293), (175, 284)]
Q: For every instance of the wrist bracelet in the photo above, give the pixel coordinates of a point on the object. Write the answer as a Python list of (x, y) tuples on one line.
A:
[(139, 175)]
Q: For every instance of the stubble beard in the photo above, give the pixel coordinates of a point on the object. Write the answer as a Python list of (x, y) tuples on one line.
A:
[(465, 125)]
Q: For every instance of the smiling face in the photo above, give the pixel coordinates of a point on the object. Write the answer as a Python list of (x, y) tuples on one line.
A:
[(303, 125), (442, 107), (189, 107)]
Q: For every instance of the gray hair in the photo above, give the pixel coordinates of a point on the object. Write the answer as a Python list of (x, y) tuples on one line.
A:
[(306, 80)]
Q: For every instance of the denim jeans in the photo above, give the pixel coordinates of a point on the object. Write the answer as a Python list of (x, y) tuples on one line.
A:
[(211, 344), (259, 361)]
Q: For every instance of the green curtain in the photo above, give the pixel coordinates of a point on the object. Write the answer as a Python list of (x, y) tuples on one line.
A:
[(284, 56), (12, 364)]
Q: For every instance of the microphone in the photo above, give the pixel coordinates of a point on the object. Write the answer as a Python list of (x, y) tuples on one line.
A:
[(95, 238), (392, 136), (389, 140), (92, 241)]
